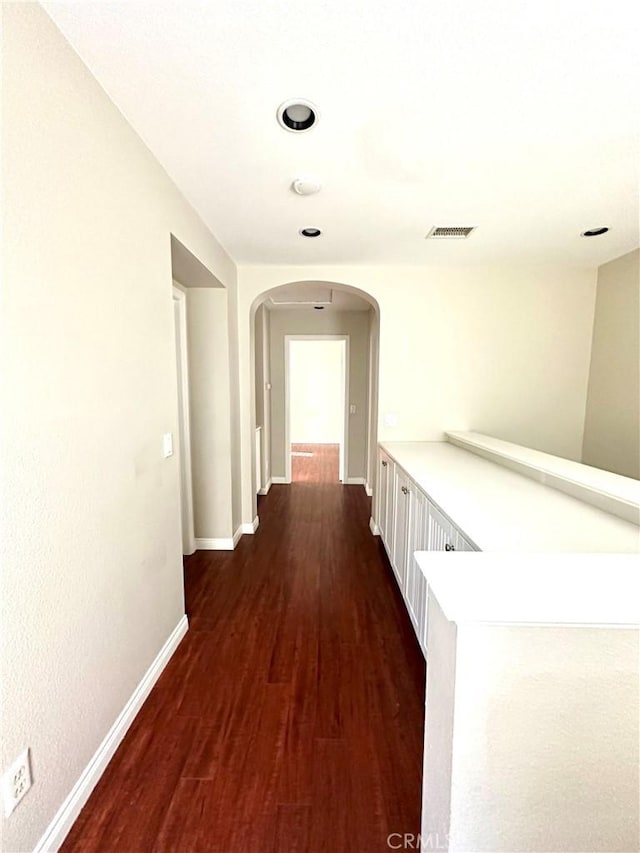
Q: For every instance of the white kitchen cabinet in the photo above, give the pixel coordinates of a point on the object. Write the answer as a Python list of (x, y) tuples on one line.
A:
[(462, 544), (457, 501), (415, 587), (409, 522), (384, 500), (401, 518), (442, 534)]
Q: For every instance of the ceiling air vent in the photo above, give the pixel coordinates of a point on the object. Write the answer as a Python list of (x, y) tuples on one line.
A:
[(451, 232)]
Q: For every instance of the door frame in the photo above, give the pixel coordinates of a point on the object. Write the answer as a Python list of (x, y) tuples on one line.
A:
[(184, 430), (343, 467)]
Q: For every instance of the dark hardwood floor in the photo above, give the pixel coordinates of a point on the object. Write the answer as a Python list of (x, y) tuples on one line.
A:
[(290, 719)]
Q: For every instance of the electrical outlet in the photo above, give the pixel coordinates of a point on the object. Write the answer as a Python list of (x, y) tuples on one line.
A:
[(16, 782)]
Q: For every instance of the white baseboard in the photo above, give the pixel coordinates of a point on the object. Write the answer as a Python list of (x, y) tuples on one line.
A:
[(374, 527), (250, 527), (59, 827), (265, 489), (280, 480), (354, 481), (368, 489), (227, 544), (216, 544)]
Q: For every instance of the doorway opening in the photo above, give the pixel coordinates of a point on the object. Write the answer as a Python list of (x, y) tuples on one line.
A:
[(308, 309), (316, 407)]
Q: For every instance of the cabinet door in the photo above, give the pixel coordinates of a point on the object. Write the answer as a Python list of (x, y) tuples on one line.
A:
[(442, 536), (462, 544), (416, 542), (385, 500), (391, 505), (402, 511), (381, 493)]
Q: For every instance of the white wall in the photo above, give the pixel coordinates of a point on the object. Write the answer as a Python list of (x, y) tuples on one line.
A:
[(91, 545), (263, 394), (612, 422), (372, 401), (211, 429), (234, 408), (316, 392), (501, 350), (545, 740), (310, 322)]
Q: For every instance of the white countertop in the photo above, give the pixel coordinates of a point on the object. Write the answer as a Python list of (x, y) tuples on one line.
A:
[(500, 510), (535, 589)]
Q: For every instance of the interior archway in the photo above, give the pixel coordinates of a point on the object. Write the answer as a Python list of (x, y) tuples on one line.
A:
[(298, 296)]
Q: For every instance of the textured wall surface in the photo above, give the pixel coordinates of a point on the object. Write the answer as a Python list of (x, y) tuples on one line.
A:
[(545, 740), (91, 545), (612, 422), (208, 343), (500, 350)]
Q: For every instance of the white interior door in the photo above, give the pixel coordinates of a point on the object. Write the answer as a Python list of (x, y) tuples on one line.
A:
[(316, 379)]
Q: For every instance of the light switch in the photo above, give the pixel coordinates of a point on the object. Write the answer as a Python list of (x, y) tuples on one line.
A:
[(391, 419), (167, 444), (352, 409)]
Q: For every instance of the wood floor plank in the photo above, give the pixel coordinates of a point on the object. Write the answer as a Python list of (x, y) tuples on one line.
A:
[(290, 719)]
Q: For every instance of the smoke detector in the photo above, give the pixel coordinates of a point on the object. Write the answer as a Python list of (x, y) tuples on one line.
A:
[(450, 232), (306, 186)]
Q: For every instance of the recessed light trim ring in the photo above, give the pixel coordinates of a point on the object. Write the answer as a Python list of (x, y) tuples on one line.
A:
[(310, 232), (297, 115)]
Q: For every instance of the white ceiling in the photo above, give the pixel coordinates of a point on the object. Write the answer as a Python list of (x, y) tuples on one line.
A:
[(519, 117)]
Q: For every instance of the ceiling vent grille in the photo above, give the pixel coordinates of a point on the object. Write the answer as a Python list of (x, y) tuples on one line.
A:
[(451, 232)]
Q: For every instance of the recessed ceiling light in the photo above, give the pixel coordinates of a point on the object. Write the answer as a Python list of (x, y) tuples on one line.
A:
[(310, 232), (297, 115), (594, 232), (319, 307)]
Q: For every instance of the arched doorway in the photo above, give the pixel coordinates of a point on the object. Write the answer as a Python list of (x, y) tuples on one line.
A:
[(313, 308)]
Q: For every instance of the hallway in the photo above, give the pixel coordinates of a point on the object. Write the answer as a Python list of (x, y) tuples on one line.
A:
[(290, 718)]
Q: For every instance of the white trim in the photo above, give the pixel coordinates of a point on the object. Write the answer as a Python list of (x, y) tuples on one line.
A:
[(374, 527), (182, 380), (344, 447), (265, 489), (613, 493), (369, 490), (214, 544), (354, 481), (280, 480), (258, 459), (59, 827), (227, 544), (251, 526)]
